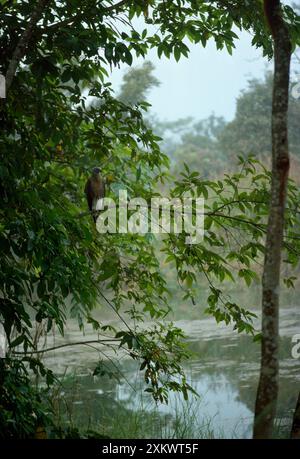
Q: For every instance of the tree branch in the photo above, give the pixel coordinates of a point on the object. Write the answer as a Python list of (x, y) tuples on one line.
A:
[(80, 15), (77, 343), (117, 5), (20, 49)]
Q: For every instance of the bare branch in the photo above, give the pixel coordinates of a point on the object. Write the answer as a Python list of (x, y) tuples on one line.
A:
[(78, 343)]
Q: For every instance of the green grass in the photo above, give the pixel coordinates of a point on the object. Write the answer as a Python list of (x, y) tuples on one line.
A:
[(111, 419)]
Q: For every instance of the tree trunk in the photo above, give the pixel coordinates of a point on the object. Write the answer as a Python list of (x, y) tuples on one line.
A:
[(295, 432), (24, 40), (267, 393)]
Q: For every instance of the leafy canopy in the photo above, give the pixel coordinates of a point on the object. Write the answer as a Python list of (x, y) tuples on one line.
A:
[(53, 263)]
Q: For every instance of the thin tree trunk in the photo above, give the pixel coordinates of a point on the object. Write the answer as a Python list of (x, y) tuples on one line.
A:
[(295, 432), (267, 393), (24, 40)]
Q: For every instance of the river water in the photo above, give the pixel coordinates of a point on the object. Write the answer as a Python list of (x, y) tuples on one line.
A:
[(223, 370)]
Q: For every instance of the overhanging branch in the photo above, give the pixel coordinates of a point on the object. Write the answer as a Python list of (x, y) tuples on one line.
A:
[(77, 343)]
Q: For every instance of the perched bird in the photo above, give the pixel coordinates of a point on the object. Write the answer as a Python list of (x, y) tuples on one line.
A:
[(94, 190)]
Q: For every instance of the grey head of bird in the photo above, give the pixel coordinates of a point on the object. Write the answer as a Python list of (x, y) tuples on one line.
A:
[(96, 170)]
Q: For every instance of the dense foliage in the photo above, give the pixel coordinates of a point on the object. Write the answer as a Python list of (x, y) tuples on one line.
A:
[(60, 119)]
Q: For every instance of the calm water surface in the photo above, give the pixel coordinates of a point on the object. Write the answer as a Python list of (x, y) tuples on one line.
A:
[(223, 371)]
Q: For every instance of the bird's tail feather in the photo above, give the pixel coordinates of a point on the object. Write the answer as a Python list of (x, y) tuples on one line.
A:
[(96, 206)]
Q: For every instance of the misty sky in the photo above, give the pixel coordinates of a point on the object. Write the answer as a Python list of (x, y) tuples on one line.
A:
[(208, 81)]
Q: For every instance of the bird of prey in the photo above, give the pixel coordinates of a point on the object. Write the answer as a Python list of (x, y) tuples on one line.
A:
[(94, 190)]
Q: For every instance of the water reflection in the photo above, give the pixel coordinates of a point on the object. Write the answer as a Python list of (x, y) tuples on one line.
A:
[(223, 370)]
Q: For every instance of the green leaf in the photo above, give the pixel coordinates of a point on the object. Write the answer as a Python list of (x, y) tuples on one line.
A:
[(16, 342)]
